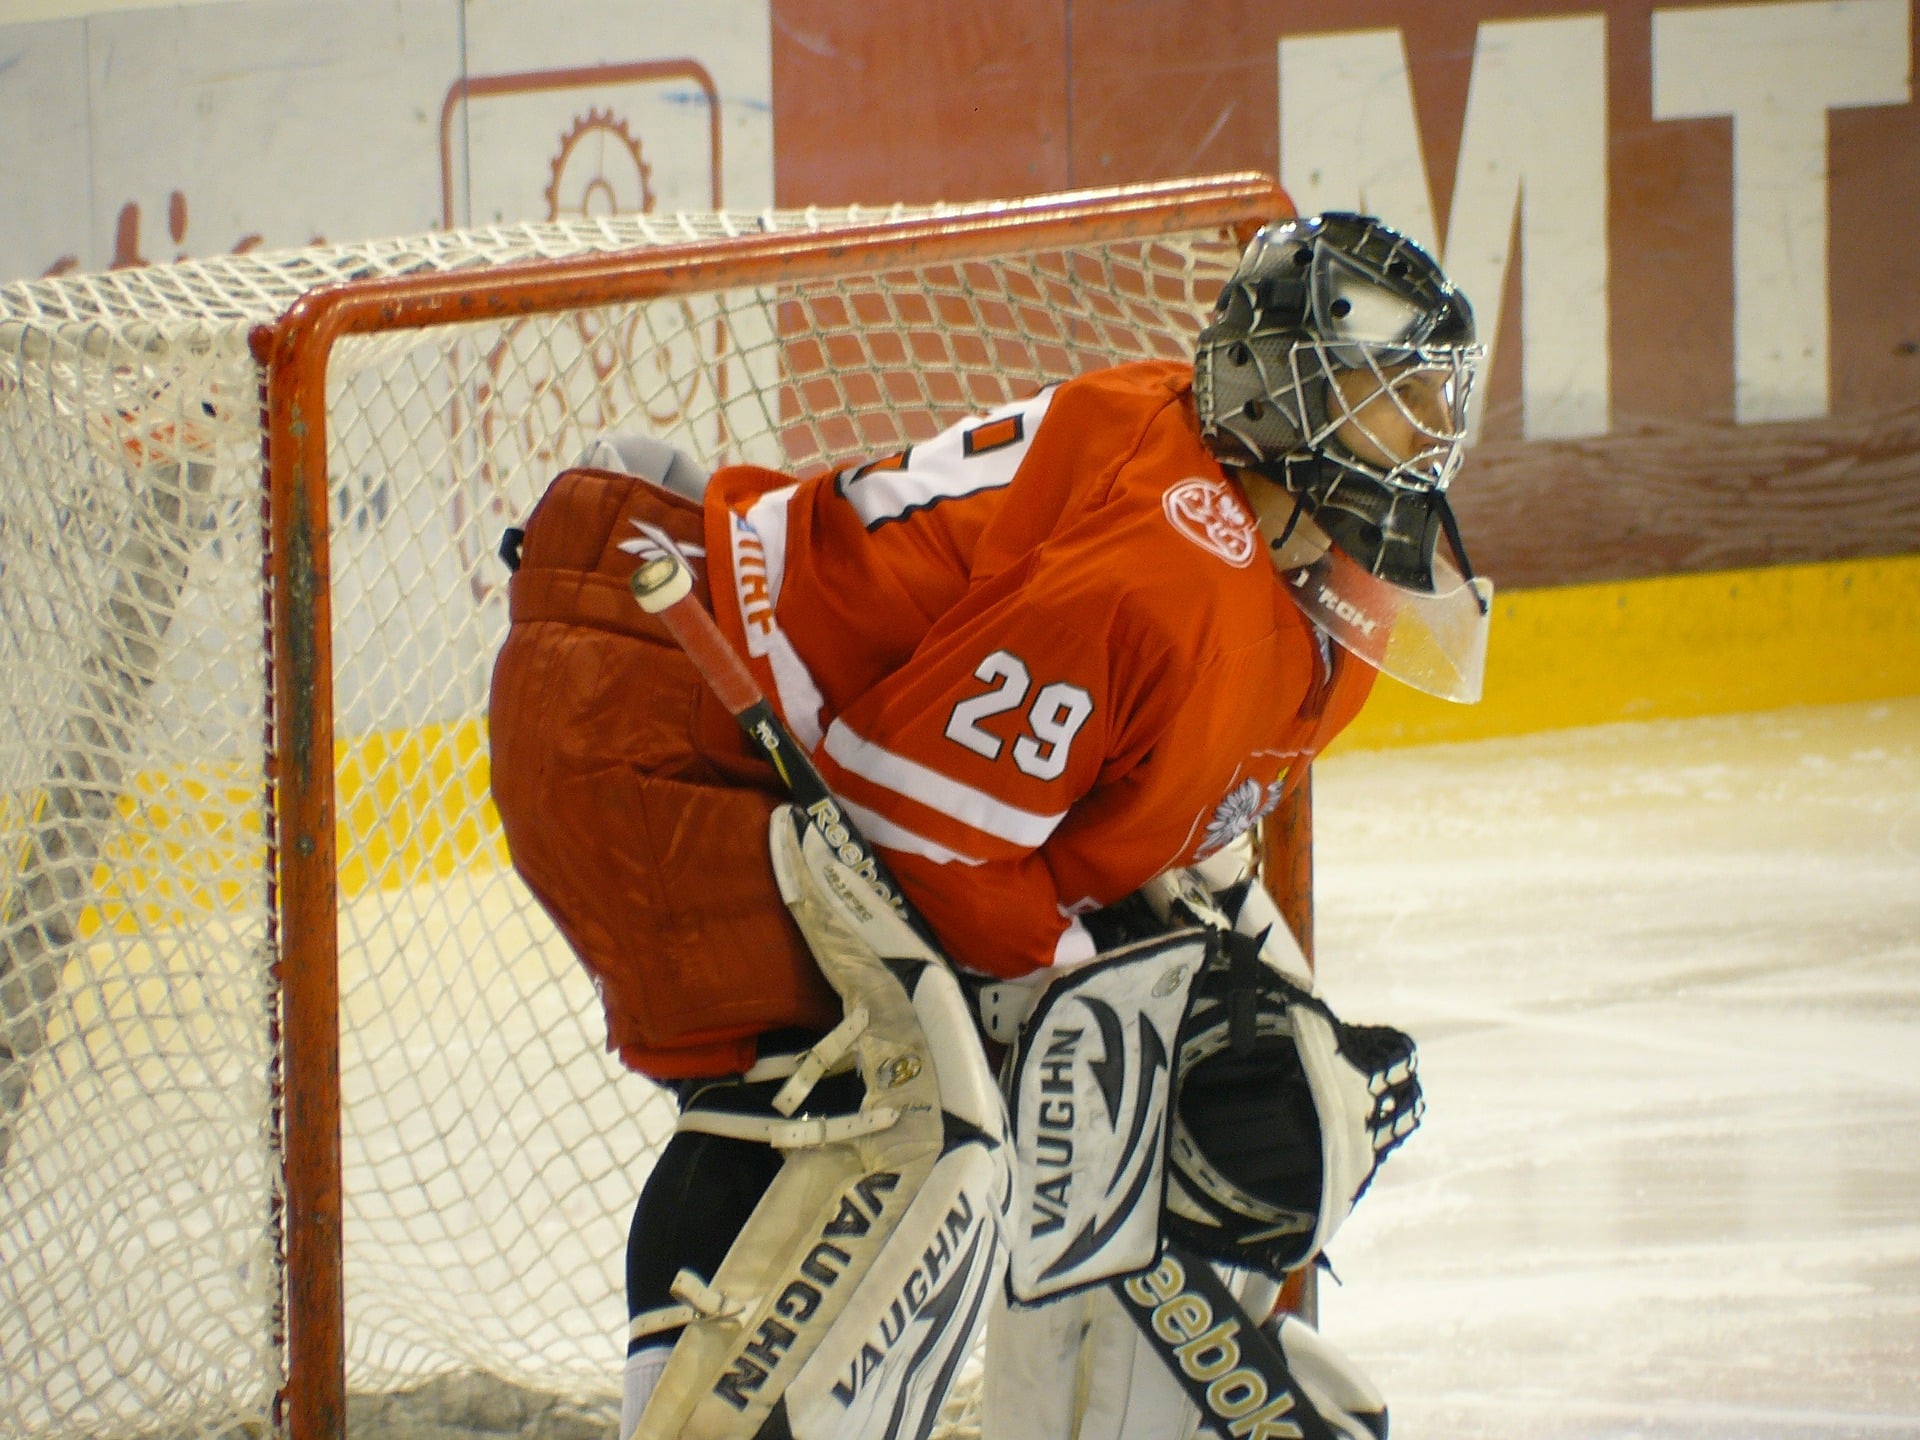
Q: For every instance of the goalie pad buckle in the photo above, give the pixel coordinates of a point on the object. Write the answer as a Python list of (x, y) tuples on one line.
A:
[(859, 1284)]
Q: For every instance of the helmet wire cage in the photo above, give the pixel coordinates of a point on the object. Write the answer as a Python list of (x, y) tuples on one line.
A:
[(1314, 304)]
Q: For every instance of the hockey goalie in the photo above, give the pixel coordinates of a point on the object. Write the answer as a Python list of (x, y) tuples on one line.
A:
[(1076, 1086)]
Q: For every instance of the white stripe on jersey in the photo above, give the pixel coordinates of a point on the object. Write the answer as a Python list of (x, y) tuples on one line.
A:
[(943, 468), (882, 831), (800, 698), (918, 782), (759, 543)]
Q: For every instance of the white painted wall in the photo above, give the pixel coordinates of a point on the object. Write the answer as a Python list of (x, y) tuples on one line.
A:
[(1777, 70), (188, 130), (1534, 148)]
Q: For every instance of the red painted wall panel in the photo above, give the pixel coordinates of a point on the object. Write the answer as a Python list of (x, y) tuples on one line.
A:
[(981, 97), (918, 101)]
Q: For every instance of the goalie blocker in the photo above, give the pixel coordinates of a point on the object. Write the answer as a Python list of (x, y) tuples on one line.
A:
[(1281, 1113)]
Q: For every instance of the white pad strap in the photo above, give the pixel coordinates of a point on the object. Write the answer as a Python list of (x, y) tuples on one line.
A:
[(790, 1134), (666, 1317), (710, 1304), (1002, 1006), (822, 1060), (770, 1067), (698, 1301)]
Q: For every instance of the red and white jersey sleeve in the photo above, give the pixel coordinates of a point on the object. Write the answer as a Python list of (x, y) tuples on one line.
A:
[(1041, 657)]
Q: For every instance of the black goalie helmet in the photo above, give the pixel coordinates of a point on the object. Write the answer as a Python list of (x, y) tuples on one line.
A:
[(1334, 331)]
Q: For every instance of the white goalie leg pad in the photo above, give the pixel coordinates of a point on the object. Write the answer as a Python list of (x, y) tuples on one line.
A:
[(1346, 1398), (859, 1283), (1078, 1368), (1030, 1386), (887, 1364), (1090, 1084)]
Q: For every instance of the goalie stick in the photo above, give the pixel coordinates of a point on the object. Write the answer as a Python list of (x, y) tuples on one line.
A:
[(1232, 1371), (663, 587)]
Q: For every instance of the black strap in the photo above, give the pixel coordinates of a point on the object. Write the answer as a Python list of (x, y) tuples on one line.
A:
[(1448, 523), (1230, 1368), (510, 543), (1247, 979)]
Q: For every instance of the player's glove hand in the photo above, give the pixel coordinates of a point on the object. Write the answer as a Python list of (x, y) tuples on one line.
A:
[(1238, 906)]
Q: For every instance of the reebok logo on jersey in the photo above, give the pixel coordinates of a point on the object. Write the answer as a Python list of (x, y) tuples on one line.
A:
[(1211, 515)]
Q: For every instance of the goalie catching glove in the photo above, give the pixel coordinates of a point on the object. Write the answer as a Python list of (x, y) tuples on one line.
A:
[(1282, 1112)]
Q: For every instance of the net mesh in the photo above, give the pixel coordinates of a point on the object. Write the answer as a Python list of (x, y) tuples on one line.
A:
[(492, 1151)]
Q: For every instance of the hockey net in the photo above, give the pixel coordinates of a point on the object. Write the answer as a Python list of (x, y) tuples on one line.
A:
[(281, 1038)]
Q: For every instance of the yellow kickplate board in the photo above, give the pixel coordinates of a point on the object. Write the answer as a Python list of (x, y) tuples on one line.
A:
[(1675, 646)]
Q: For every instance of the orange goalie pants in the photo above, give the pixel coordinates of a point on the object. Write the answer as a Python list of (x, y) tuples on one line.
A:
[(633, 807)]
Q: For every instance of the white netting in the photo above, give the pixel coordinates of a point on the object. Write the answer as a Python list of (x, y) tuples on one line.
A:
[(492, 1151)]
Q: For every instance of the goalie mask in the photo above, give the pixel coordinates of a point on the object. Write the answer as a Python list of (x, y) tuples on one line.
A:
[(1282, 1115), (1339, 364)]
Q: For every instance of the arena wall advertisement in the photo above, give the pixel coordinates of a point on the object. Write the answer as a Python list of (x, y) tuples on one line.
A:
[(1686, 228)]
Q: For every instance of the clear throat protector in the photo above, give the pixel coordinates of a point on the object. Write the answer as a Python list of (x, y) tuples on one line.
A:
[(1436, 642)]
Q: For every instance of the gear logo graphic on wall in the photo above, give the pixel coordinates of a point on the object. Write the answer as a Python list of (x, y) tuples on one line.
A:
[(599, 170), (528, 392)]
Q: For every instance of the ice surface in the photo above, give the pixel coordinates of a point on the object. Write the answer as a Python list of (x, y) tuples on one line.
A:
[(1666, 980)]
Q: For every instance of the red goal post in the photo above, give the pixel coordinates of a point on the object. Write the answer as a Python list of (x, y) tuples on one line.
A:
[(797, 339)]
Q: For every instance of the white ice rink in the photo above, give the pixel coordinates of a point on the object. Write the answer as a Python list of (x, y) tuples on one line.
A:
[(1666, 980)]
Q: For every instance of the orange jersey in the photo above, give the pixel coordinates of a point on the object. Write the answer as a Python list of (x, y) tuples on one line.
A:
[(1042, 657)]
